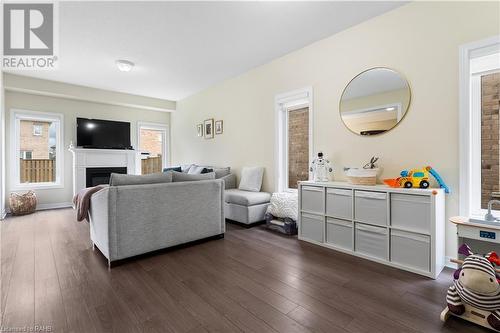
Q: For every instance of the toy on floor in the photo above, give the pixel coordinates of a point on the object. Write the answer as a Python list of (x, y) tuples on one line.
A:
[(475, 293), (417, 178), (320, 167), (281, 213)]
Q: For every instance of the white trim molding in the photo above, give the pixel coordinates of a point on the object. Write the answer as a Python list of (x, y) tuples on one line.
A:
[(470, 125), (283, 103), (16, 115), (164, 129)]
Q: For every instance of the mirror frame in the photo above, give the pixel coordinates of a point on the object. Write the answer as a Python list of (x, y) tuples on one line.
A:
[(402, 118)]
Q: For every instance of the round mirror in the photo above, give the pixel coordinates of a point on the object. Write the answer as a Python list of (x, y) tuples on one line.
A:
[(375, 101)]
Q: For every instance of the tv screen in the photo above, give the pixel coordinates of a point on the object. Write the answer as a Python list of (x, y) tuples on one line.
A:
[(102, 134)]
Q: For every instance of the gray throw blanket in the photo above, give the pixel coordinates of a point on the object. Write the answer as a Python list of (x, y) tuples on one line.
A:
[(81, 201)]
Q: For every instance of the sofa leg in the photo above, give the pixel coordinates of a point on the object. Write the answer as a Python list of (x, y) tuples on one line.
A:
[(109, 264), (93, 246)]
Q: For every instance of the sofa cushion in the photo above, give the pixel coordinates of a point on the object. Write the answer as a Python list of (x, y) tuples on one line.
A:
[(185, 167), (221, 172), (251, 179), (117, 179), (184, 177), (178, 169), (246, 198)]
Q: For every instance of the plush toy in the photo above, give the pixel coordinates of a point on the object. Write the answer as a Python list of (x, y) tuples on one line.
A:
[(320, 167), (476, 284)]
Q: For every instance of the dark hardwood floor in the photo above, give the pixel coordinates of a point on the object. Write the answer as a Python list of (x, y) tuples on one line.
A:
[(252, 280)]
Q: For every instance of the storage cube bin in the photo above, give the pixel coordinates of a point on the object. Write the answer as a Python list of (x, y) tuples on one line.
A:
[(370, 207), (312, 227), (411, 250), (339, 203), (411, 212), (371, 241), (312, 199), (339, 233)]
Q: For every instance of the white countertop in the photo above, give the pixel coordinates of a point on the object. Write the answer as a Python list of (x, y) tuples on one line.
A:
[(378, 187)]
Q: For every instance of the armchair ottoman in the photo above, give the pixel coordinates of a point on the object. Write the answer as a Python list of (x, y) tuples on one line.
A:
[(246, 204)]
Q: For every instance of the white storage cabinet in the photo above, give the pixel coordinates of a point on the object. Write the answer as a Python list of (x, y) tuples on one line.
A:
[(403, 228)]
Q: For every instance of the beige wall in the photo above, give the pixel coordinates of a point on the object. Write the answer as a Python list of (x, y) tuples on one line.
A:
[(420, 40), (71, 109)]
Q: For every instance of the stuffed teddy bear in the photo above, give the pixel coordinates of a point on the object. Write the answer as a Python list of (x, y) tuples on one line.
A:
[(476, 284)]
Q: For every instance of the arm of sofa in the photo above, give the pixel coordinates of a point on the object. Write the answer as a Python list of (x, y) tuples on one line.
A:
[(102, 215), (229, 181)]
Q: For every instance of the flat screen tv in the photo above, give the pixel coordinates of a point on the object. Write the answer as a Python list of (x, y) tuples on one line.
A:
[(102, 134)]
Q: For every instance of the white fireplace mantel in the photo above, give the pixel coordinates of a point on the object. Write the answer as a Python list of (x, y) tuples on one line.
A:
[(84, 158)]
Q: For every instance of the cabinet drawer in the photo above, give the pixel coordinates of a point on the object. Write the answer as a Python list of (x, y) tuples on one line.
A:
[(411, 212), (313, 199), (371, 241), (411, 250), (339, 233), (370, 207), (312, 227), (339, 203)]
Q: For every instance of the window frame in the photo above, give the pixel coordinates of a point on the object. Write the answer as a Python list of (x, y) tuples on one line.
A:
[(35, 133), (470, 128), (16, 115), (283, 103), (166, 135)]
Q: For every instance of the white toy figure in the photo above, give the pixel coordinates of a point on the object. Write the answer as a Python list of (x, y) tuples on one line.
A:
[(320, 167)]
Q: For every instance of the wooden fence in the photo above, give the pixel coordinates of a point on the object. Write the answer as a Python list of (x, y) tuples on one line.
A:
[(37, 170), (151, 165)]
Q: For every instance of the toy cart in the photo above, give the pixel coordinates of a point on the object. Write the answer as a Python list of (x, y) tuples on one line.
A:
[(471, 313)]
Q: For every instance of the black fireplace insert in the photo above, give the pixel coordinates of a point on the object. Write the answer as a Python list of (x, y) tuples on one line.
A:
[(97, 176)]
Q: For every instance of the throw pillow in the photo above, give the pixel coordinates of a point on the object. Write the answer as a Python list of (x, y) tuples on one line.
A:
[(207, 170), (251, 179), (178, 169), (118, 179), (185, 167), (195, 170), (183, 177)]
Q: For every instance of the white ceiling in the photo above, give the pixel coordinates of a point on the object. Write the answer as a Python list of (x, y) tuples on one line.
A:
[(373, 82), (180, 48)]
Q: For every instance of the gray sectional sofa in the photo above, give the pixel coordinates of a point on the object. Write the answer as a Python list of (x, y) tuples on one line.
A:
[(129, 220)]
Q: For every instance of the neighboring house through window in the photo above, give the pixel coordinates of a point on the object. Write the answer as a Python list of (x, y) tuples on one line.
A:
[(293, 138), (153, 143), (36, 140), (479, 126)]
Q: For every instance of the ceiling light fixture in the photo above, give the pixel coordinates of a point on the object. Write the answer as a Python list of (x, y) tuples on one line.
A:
[(392, 108), (124, 65)]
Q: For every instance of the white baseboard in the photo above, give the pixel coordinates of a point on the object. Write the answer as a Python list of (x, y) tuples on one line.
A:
[(3, 214), (57, 205), (54, 205)]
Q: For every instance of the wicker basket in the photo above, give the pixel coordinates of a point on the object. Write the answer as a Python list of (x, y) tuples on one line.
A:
[(363, 180), (22, 204), (362, 176)]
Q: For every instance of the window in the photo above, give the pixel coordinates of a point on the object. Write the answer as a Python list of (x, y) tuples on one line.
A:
[(26, 155), (153, 144), (36, 140), (37, 129), (294, 139), (479, 130)]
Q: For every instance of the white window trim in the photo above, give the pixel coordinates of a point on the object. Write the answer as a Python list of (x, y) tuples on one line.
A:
[(166, 138), (470, 132), (284, 101), (16, 115)]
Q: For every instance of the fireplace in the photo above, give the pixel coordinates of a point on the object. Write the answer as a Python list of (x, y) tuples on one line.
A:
[(96, 176)]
